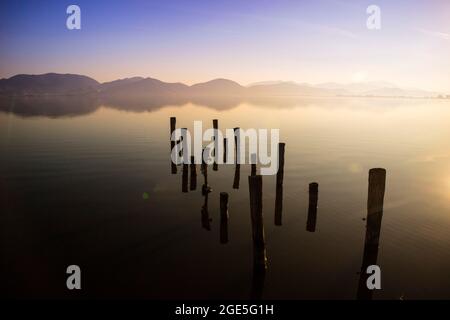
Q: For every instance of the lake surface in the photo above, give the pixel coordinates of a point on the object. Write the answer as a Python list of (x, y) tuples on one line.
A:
[(92, 186)]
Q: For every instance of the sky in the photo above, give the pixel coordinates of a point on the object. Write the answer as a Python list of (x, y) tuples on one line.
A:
[(248, 41)]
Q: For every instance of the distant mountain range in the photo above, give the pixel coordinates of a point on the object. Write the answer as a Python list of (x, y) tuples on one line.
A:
[(72, 84)]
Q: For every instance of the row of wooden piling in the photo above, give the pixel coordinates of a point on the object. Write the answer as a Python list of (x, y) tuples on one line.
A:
[(376, 190)]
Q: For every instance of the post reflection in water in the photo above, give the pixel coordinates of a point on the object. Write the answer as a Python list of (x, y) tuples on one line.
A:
[(184, 179), (259, 244), (375, 201), (224, 217), (312, 207)]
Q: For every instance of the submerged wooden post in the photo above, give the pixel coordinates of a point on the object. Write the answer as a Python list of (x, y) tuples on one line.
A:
[(253, 164), (237, 169), (280, 173), (279, 186), (375, 203), (253, 172), (184, 142), (259, 245), (204, 168), (173, 122), (224, 150), (223, 217), (237, 176), (237, 151), (216, 144), (312, 207), (193, 183)]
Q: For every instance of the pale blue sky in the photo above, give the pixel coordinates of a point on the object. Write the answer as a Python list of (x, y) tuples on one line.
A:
[(247, 41)]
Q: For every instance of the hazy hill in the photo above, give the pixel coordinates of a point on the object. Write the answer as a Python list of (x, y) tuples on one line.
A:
[(219, 87), (49, 83), (146, 88), (105, 86), (287, 89)]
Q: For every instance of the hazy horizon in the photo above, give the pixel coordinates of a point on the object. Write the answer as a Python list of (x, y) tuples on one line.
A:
[(192, 42)]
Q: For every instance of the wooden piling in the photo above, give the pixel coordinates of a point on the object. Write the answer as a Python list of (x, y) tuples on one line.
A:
[(375, 203), (204, 169), (224, 150), (237, 176), (237, 151), (223, 217), (279, 186), (193, 181), (259, 246), (253, 159), (280, 173), (184, 142), (312, 207), (216, 144), (173, 121)]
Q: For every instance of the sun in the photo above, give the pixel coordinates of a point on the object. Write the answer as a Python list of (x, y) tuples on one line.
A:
[(359, 76)]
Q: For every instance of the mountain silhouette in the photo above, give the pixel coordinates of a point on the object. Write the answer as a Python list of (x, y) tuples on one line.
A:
[(220, 87), (143, 87), (49, 83), (150, 88)]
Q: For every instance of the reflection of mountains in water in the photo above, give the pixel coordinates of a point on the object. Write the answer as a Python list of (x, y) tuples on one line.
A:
[(70, 106), (56, 95)]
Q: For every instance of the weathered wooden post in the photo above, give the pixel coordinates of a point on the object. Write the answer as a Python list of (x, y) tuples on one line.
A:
[(193, 183), (237, 176), (237, 169), (280, 173), (312, 207), (216, 144), (237, 151), (173, 122), (224, 150), (259, 245), (253, 158), (223, 217), (185, 152), (204, 168), (375, 203), (279, 186)]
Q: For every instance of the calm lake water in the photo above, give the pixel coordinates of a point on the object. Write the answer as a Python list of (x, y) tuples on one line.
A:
[(74, 180)]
